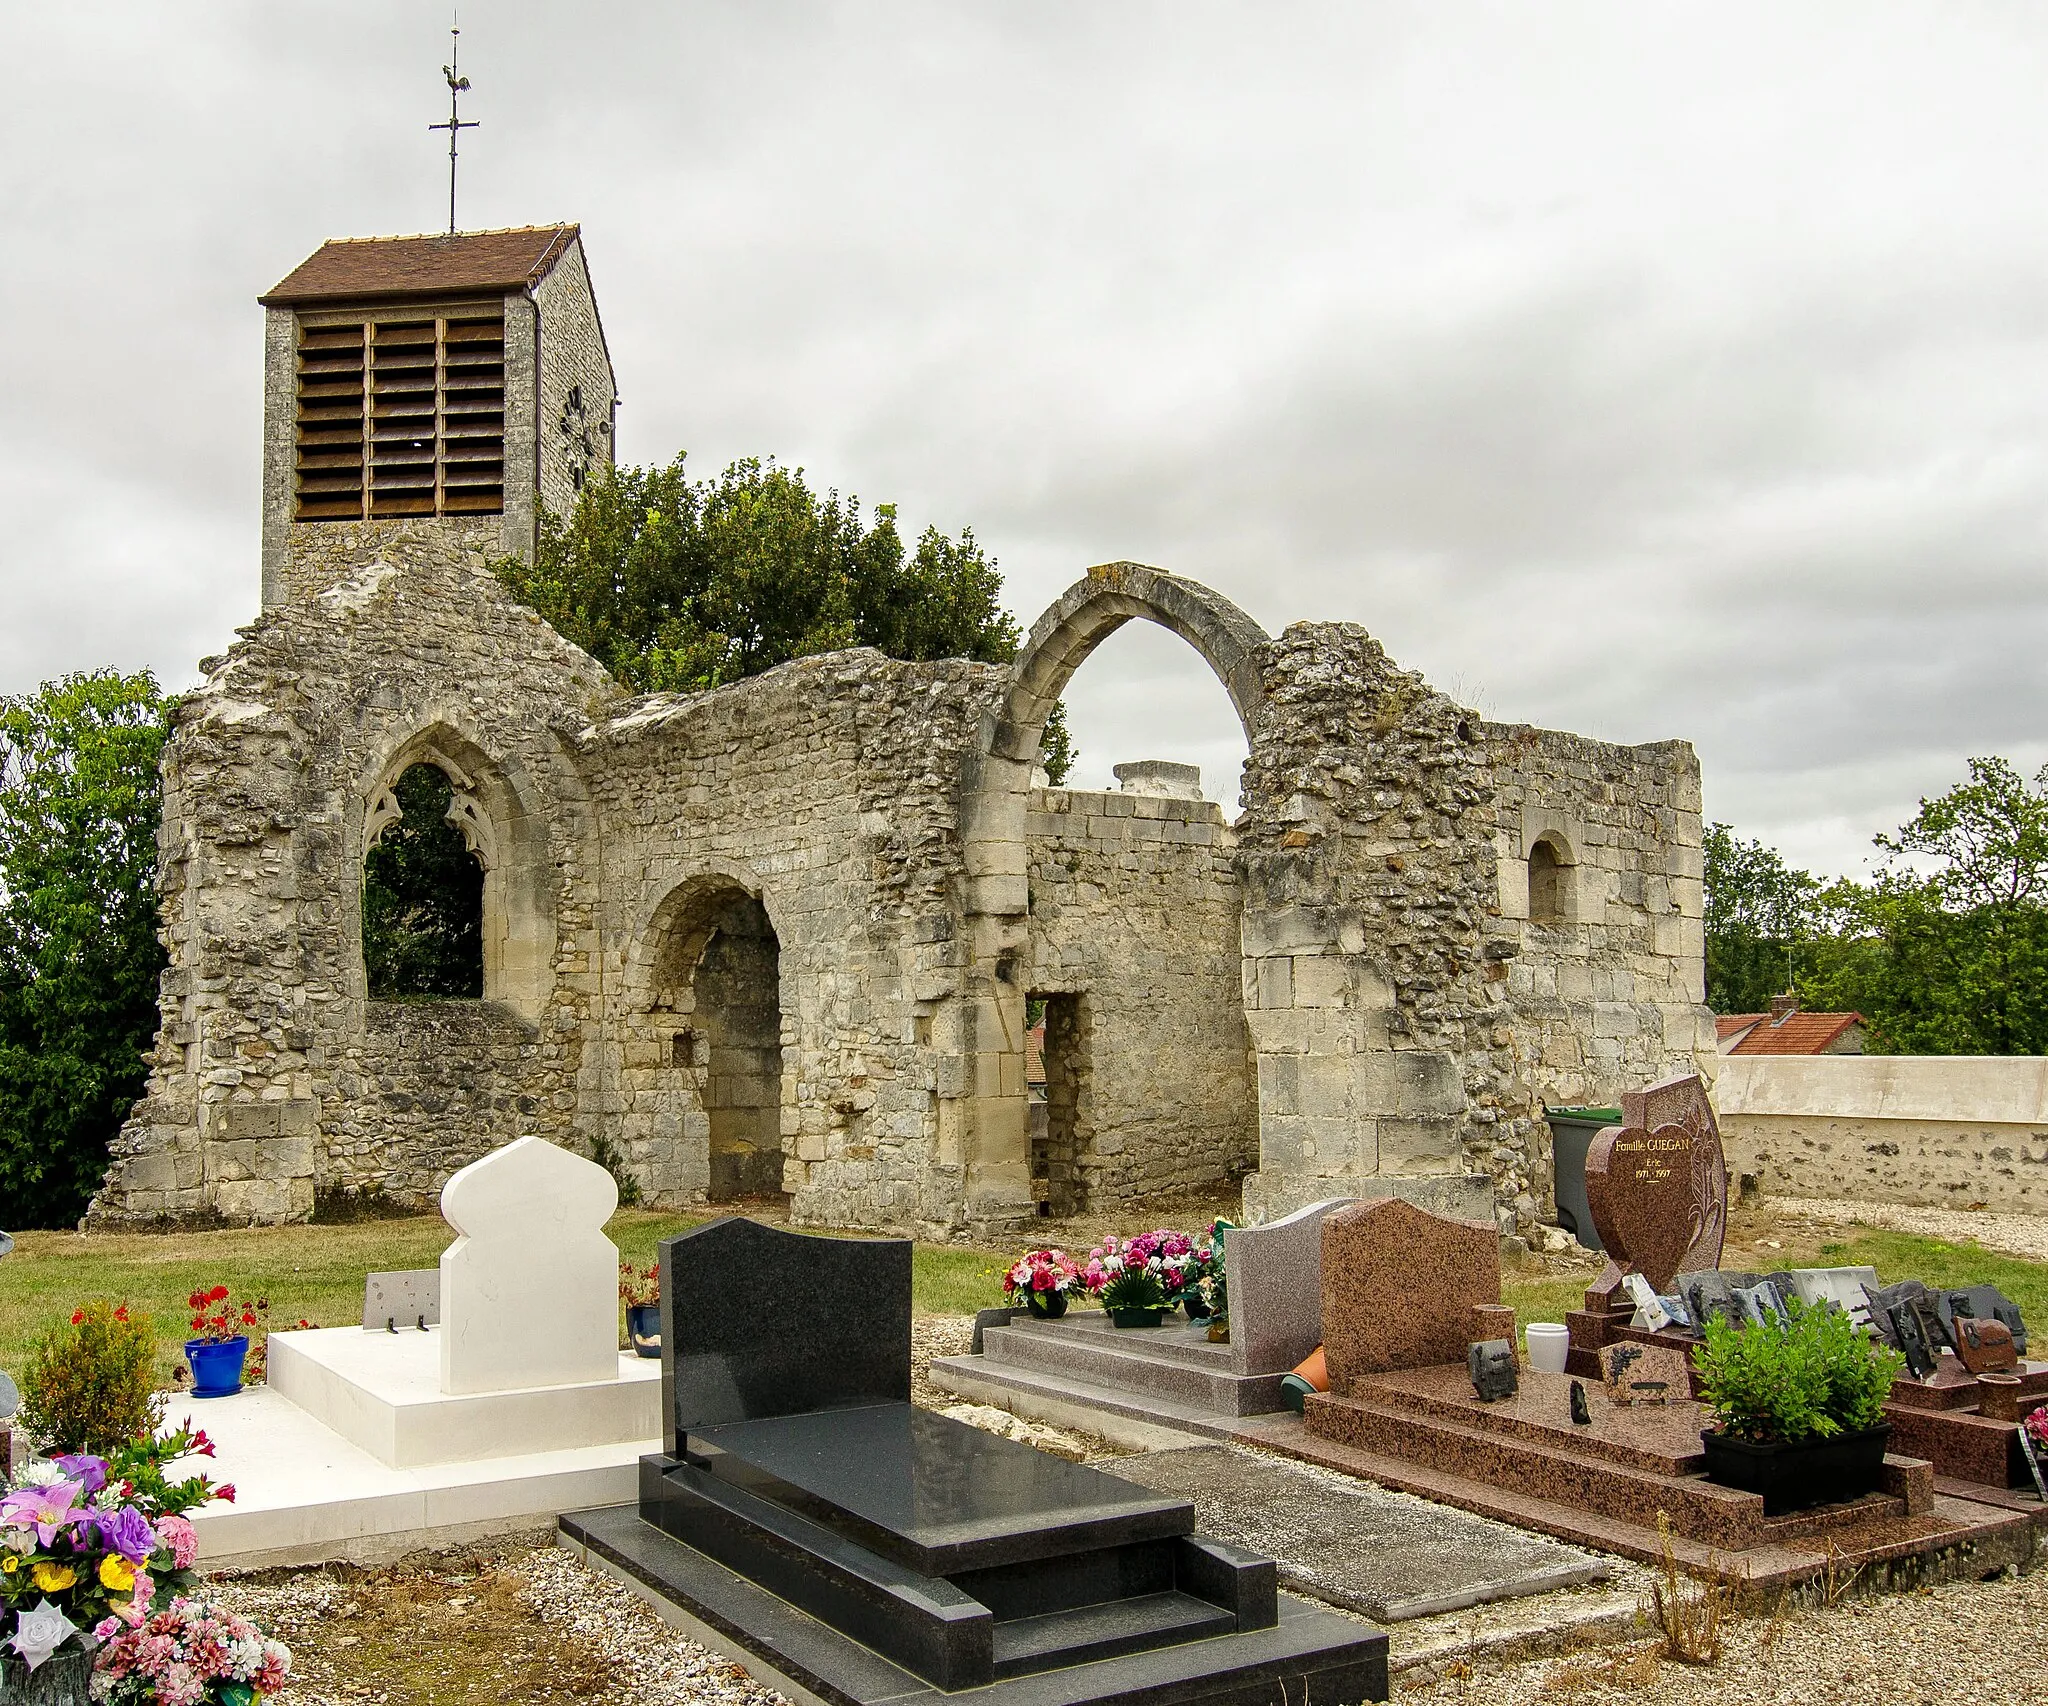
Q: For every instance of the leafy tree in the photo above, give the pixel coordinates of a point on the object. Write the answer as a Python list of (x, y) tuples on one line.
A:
[(675, 584), (1947, 951), (79, 958), (423, 898), (1758, 913)]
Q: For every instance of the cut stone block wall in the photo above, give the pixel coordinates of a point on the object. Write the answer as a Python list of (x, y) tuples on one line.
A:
[(1135, 904)]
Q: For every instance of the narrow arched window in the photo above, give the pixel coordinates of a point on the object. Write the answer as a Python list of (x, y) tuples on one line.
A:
[(423, 899), (1546, 884)]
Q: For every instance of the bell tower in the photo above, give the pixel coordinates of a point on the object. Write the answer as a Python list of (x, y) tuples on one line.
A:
[(439, 390)]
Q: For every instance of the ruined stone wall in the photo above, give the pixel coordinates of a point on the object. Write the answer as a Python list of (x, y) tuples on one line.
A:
[(1376, 960), (1134, 906), (1608, 983), (274, 1075), (827, 788)]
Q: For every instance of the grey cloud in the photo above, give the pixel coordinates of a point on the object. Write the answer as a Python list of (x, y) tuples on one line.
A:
[(1650, 373)]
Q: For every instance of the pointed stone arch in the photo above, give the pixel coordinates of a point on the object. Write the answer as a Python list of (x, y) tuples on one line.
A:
[(492, 806)]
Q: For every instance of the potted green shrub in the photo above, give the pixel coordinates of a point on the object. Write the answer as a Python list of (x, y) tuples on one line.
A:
[(1798, 1408)]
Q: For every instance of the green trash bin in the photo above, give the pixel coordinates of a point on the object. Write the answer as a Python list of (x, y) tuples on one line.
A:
[(1572, 1131)]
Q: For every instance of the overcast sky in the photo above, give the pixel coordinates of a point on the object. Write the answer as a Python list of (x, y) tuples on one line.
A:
[(1643, 370)]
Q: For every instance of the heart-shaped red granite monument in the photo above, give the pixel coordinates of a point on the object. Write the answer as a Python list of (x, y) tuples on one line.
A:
[(1658, 1184)]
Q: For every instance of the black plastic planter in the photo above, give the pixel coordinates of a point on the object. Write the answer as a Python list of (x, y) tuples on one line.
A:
[(1792, 1477)]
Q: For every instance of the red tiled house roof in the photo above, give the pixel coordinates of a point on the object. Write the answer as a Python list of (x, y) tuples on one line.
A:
[(1794, 1033)]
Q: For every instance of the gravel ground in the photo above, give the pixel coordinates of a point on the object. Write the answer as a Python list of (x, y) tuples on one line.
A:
[(2023, 1235), (1967, 1644)]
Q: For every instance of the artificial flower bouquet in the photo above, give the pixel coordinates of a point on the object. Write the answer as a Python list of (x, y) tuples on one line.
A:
[(86, 1544), (1172, 1258), (1042, 1273), (187, 1654), (640, 1288)]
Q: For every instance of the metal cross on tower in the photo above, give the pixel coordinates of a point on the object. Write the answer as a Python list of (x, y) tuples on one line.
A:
[(456, 122)]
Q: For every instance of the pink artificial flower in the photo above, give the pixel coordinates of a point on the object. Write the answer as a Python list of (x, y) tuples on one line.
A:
[(182, 1538)]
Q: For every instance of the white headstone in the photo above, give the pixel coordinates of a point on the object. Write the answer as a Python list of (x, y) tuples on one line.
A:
[(530, 1290)]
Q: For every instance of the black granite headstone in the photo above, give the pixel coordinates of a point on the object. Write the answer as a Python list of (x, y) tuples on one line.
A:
[(758, 1322)]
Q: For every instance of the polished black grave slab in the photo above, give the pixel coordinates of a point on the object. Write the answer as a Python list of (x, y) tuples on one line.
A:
[(804, 1495), (931, 1493), (1305, 1654)]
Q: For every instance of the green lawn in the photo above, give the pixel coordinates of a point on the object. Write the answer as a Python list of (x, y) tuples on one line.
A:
[(316, 1272)]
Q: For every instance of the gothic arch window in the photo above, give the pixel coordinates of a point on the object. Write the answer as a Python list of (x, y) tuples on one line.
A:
[(457, 895), (423, 896)]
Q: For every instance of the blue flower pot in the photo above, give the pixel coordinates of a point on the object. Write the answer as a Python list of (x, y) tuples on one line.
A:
[(643, 1327), (217, 1369)]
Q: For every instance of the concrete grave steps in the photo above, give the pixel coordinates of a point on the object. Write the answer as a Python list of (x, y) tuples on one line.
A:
[(1178, 1364)]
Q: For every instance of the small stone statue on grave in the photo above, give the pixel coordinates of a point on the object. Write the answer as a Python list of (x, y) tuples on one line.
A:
[(1491, 1363), (1581, 1415)]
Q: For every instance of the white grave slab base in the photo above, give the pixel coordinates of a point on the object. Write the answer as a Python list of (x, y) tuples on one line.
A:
[(382, 1393), (305, 1495)]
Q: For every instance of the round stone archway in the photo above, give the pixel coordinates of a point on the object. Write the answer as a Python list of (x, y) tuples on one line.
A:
[(988, 1122)]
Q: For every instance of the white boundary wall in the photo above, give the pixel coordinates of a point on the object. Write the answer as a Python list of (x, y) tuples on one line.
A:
[(1945, 1130)]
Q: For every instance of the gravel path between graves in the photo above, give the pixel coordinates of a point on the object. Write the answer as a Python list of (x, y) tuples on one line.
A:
[(1974, 1642), (2023, 1235)]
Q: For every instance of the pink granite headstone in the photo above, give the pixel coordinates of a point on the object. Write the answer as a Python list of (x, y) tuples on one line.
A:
[(1658, 1184), (1399, 1288)]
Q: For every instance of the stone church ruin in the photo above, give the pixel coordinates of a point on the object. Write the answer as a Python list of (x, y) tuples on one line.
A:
[(780, 937)]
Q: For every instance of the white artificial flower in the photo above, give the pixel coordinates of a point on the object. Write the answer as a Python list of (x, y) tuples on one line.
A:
[(38, 1472), (40, 1632)]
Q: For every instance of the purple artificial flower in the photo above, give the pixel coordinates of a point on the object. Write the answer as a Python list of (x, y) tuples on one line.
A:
[(48, 1510), (89, 1472), (127, 1532)]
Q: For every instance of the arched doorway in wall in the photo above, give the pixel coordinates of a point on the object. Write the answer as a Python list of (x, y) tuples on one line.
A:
[(1114, 914), (704, 1074)]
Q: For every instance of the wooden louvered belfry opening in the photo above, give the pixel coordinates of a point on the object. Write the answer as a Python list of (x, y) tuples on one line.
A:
[(401, 413)]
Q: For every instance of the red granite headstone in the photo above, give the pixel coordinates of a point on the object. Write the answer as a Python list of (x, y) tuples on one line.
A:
[(1399, 1287), (1658, 1184)]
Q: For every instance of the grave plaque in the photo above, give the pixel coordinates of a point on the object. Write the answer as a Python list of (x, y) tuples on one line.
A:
[(409, 1299), (1646, 1374), (1658, 1184), (1985, 1302), (1985, 1347)]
